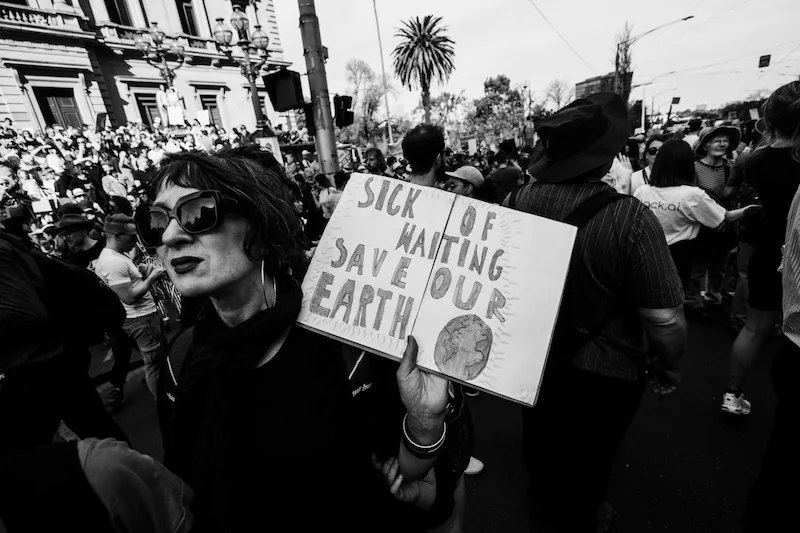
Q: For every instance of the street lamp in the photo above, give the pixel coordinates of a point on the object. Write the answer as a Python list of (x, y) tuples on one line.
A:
[(618, 74), (155, 50), (254, 50)]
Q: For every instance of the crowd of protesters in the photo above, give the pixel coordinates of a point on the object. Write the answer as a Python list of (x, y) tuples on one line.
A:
[(254, 412)]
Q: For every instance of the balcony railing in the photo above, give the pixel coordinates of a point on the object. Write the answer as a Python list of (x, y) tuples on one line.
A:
[(118, 36), (24, 18)]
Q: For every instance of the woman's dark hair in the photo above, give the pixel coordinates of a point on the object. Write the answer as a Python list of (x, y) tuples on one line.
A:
[(274, 231), (340, 179), (674, 165), (782, 115), (654, 138), (322, 180), (119, 205), (378, 156)]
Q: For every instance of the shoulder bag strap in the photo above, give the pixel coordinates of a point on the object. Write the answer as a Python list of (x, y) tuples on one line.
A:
[(177, 353)]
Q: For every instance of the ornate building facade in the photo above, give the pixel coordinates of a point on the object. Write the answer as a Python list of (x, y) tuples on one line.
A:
[(74, 62)]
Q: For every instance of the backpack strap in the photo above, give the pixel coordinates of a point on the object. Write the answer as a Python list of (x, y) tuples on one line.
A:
[(177, 353), (512, 197), (579, 217), (586, 210)]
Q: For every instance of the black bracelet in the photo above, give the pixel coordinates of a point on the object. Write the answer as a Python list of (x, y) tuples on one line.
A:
[(418, 450)]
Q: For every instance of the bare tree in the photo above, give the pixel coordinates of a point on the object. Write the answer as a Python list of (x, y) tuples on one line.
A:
[(623, 61), (359, 75), (559, 92)]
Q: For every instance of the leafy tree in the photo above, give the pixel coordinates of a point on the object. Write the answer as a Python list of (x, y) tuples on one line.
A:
[(424, 54), (497, 115)]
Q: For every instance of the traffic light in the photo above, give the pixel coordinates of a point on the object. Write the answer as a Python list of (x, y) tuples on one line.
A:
[(308, 111), (341, 106)]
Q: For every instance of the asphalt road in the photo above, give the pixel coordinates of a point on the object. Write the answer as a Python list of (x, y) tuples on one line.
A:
[(684, 465)]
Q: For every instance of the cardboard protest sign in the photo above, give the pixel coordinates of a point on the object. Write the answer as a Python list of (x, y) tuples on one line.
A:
[(489, 311), (478, 285), (362, 287)]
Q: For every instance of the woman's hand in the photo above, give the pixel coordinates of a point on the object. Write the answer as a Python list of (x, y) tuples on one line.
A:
[(421, 494), (425, 397)]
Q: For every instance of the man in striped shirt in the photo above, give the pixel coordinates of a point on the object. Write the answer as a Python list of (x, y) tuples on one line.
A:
[(622, 288)]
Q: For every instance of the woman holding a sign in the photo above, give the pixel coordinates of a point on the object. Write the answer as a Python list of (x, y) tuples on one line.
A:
[(254, 410)]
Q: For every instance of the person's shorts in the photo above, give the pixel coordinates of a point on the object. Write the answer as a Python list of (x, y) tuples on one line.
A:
[(765, 283)]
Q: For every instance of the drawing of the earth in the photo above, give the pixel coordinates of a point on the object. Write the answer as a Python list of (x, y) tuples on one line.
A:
[(462, 349)]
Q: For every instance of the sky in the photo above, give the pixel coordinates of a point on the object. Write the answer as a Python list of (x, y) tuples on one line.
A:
[(714, 56)]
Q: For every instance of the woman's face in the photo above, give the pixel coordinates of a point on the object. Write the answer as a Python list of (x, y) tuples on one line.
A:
[(206, 264), (655, 146), (717, 146)]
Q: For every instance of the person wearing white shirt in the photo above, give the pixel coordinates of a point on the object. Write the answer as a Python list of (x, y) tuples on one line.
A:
[(55, 161), (328, 195), (680, 207), (642, 177)]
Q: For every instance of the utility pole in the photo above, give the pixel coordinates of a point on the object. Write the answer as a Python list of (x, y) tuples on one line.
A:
[(644, 113), (315, 55), (383, 73)]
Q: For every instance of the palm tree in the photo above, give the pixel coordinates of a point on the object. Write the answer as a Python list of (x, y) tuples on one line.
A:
[(425, 53)]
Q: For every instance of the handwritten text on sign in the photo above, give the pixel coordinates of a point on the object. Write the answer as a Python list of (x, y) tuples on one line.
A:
[(370, 303)]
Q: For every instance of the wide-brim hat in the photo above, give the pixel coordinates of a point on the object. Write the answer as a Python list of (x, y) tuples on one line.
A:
[(582, 136), (71, 222), (706, 133)]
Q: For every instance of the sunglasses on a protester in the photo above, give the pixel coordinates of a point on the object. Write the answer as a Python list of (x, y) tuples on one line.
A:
[(198, 212), (652, 151)]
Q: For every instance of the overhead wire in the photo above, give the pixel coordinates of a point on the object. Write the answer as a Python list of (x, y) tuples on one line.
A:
[(561, 36), (781, 60), (742, 56)]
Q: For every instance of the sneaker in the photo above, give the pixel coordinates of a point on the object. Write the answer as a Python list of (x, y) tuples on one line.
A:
[(475, 466), (735, 405), (114, 399)]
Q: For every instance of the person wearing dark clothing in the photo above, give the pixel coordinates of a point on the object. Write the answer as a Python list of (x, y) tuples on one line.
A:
[(774, 173), (44, 378), (506, 177), (250, 404), (83, 250), (599, 353), (92, 486)]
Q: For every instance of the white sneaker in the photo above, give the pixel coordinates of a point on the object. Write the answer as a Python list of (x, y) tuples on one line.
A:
[(735, 405), (475, 466)]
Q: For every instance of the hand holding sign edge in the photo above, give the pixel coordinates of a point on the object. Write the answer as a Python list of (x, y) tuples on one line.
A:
[(424, 395)]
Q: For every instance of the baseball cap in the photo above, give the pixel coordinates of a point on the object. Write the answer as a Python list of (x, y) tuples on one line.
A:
[(469, 174)]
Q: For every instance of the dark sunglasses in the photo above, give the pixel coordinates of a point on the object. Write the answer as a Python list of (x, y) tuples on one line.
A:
[(198, 212), (652, 151)]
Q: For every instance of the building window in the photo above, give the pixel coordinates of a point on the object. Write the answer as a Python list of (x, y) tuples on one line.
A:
[(118, 12), (209, 102), (186, 14), (148, 109), (58, 107)]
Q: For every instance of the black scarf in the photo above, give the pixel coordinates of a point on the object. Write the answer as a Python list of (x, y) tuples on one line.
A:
[(230, 353), (201, 429)]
